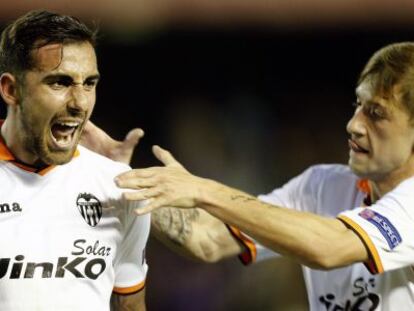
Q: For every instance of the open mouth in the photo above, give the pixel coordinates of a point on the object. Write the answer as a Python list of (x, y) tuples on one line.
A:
[(63, 132), (355, 147)]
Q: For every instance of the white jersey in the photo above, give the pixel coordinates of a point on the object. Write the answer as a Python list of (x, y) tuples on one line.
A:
[(67, 238), (386, 282)]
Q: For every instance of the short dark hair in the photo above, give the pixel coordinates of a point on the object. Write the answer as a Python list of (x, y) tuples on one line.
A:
[(34, 30), (390, 66)]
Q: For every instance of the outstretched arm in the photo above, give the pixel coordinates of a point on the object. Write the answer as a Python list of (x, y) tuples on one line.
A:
[(315, 241), (194, 233), (191, 233)]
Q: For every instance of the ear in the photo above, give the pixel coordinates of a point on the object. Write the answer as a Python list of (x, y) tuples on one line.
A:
[(8, 88)]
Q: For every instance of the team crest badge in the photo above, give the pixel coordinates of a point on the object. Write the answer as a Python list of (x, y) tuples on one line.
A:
[(90, 208)]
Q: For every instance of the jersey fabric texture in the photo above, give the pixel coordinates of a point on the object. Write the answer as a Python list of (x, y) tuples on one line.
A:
[(386, 228), (68, 240)]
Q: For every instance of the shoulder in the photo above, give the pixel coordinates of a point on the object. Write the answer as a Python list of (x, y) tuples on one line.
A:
[(95, 174), (97, 162), (406, 185), (329, 174), (330, 170), (402, 195), (333, 183), (314, 183)]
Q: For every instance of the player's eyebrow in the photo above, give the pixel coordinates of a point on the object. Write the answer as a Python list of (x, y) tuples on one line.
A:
[(369, 101), (67, 79), (95, 77), (359, 94)]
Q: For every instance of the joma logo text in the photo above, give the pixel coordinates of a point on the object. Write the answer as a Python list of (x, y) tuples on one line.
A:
[(7, 208)]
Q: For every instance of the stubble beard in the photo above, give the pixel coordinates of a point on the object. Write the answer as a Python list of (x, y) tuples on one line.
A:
[(366, 172), (36, 143), (360, 170)]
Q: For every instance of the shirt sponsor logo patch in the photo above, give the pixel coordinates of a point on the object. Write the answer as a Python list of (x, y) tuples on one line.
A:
[(386, 228)]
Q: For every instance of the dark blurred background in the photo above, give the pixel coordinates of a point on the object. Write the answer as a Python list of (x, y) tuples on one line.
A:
[(246, 92)]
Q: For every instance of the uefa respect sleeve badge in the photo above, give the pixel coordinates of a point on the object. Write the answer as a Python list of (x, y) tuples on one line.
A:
[(384, 225)]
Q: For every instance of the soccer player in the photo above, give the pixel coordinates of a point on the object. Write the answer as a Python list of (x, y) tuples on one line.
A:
[(351, 227), (68, 241)]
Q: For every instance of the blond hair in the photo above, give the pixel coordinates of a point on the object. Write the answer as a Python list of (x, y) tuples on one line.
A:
[(391, 66)]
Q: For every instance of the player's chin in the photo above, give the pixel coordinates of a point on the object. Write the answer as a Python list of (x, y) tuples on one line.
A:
[(367, 172), (358, 169), (53, 154), (58, 157)]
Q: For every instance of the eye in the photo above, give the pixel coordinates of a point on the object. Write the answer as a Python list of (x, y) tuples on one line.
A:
[(375, 112), (58, 83), (90, 84)]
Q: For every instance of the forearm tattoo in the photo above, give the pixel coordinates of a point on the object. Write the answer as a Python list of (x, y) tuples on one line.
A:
[(175, 223), (242, 198), (245, 199)]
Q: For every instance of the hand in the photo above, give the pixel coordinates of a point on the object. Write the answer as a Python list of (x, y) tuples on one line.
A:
[(95, 139), (171, 185)]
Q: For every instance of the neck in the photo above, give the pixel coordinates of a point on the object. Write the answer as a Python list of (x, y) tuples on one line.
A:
[(13, 142), (380, 187)]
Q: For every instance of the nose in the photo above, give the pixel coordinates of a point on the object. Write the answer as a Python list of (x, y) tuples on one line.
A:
[(356, 125), (79, 98)]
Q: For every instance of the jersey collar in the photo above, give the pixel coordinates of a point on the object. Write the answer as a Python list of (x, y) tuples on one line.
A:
[(364, 186), (7, 155)]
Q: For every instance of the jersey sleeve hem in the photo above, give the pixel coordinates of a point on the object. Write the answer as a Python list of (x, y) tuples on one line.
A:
[(374, 264), (249, 255), (129, 290)]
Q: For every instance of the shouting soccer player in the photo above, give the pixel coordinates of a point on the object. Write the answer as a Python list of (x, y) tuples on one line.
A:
[(68, 239)]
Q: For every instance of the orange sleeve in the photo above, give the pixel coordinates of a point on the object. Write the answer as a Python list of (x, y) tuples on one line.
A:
[(129, 290), (250, 252), (374, 264)]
